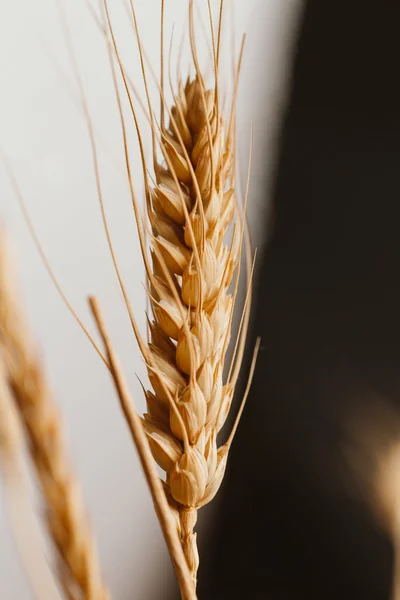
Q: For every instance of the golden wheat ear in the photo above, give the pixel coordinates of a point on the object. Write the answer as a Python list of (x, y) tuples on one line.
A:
[(196, 240), (77, 564)]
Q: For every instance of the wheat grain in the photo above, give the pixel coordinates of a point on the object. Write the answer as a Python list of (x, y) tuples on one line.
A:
[(78, 568)]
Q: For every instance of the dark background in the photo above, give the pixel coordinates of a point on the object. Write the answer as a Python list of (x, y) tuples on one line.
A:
[(328, 305)]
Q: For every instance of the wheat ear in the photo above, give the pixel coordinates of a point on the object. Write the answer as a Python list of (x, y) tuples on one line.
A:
[(78, 568), (192, 206), (17, 498)]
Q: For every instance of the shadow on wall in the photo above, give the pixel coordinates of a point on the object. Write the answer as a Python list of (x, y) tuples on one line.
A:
[(290, 524)]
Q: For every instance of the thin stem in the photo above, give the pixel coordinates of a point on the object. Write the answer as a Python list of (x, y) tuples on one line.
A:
[(214, 54), (221, 8), (146, 87), (243, 222), (96, 168), (242, 336), (139, 437), (35, 238), (125, 140)]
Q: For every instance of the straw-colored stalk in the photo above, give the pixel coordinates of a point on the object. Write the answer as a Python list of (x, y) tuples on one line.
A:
[(77, 563)]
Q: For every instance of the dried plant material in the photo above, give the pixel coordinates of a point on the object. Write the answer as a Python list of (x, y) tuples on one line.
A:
[(17, 502), (197, 272), (78, 568), (196, 230), (166, 508), (191, 210)]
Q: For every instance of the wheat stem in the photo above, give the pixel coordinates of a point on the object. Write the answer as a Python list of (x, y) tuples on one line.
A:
[(158, 495)]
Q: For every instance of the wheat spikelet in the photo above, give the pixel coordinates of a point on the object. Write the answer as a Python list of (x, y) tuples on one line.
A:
[(78, 571)]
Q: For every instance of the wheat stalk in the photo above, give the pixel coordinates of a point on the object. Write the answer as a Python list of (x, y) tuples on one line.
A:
[(162, 508), (78, 568)]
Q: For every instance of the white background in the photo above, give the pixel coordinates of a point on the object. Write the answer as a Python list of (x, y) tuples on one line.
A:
[(43, 134)]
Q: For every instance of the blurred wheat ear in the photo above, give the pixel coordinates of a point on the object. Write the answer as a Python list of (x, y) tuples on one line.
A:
[(26, 398), (192, 283)]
